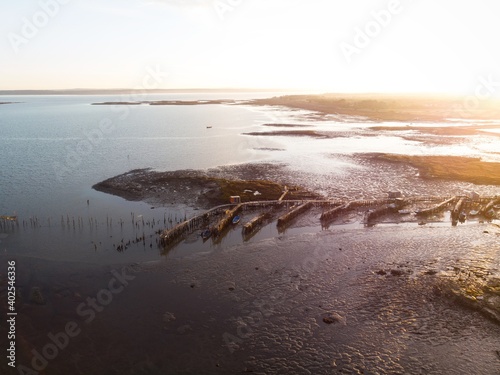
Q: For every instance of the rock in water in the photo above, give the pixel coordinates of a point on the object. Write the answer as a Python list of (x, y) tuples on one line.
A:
[(168, 317), (36, 296), (333, 318)]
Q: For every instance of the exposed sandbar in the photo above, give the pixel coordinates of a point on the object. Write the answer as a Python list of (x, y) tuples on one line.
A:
[(194, 188), (378, 107), (291, 133), (287, 125), (453, 168), (442, 130)]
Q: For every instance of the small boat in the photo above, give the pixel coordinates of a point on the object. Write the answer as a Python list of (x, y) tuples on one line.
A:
[(206, 234), (236, 219), (209, 127)]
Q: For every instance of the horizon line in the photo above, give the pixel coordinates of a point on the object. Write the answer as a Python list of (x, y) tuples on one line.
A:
[(94, 91)]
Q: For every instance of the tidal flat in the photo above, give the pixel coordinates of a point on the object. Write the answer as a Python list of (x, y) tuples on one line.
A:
[(380, 300)]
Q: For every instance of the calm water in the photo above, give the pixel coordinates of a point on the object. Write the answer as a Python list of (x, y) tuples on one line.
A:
[(54, 148)]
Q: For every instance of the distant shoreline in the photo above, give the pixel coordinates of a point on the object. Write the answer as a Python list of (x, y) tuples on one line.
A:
[(172, 102), (375, 107), (390, 108), (130, 90)]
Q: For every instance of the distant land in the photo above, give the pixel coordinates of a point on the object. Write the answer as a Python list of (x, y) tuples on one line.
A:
[(373, 107), (393, 107)]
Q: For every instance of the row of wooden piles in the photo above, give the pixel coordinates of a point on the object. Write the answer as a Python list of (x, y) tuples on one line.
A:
[(437, 208), (172, 236), (8, 223), (334, 209), (255, 223), (225, 221), (284, 220)]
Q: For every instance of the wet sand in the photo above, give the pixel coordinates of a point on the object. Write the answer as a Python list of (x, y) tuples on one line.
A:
[(291, 133), (378, 300), (277, 125), (442, 130), (450, 168)]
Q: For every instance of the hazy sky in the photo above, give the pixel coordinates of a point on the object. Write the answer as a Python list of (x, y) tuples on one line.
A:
[(325, 45)]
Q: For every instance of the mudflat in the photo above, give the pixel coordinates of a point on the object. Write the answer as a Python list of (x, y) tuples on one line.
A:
[(388, 107)]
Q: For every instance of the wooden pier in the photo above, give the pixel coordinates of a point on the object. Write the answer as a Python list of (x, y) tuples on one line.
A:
[(457, 210), (333, 209), (8, 223), (437, 208), (284, 220), (225, 221), (8, 218), (255, 223), (373, 215), (486, 210), (332, 214)]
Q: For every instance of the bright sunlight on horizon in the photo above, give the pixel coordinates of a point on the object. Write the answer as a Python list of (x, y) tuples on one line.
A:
[(326, 45)]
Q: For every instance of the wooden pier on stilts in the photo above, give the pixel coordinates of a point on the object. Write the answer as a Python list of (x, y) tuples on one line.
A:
[(255, 223), (285, 220), (437, 208), (225, 221), (332, 210)]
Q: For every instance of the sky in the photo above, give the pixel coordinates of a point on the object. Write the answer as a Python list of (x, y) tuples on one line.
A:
[(442, 46)]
